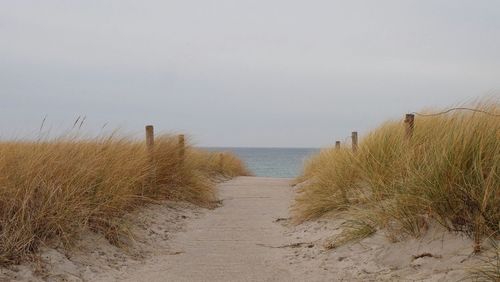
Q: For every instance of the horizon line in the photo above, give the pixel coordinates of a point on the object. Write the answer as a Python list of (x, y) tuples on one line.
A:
[(257, 147)]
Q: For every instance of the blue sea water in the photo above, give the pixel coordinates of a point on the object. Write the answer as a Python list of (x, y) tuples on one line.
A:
[(272, 162)]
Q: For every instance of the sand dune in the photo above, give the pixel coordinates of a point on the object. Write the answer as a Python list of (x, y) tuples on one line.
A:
[(248, 238)]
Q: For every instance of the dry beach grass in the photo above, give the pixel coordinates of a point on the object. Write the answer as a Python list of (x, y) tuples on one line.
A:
[(55, 189), (447, 173)]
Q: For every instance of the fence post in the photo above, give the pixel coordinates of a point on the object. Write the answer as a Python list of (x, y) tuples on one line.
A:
[(150, 141), (354, 141), (409, 125), (182, 147), (150, 137), (337, 144)]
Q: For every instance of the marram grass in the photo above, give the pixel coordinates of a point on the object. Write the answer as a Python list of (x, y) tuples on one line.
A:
[(53, 189), (448, 172)]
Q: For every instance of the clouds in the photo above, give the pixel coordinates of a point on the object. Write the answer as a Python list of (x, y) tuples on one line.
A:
[(255, 73)]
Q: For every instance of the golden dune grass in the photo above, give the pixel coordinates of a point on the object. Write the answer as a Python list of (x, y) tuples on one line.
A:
[(448, 172), (51, 190), (222, 164)]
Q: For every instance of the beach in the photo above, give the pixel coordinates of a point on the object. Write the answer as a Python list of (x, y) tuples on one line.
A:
[(249, 237), (249, 141)]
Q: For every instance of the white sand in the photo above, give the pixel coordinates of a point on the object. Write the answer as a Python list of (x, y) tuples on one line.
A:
[(249, 238)]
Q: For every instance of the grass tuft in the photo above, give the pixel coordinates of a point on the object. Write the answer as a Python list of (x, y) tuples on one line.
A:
[(449, 171), (489, 269), (353, 231), (53, 189)]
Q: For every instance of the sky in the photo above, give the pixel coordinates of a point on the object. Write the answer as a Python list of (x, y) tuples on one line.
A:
[(255, 73)]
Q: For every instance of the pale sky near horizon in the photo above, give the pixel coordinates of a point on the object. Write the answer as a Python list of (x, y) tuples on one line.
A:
[(241, 73)]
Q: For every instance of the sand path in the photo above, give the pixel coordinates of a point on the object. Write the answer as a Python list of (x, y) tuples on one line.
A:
[(249, 238), (236, 242)]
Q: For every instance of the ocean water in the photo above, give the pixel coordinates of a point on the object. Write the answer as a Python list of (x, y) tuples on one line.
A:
[(272, 162)]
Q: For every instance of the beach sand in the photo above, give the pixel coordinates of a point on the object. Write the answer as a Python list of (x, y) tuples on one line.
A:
[(248, 238)]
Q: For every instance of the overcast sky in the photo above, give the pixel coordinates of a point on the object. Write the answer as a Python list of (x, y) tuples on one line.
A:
[(241, 73)]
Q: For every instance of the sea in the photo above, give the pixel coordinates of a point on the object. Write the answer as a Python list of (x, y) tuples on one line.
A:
[(272, 162)]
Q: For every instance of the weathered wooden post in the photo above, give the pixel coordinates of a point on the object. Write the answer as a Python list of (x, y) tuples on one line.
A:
[(354, 141), (182, 147), (150, 142), (150, 137), (409, 125), (337, 145)]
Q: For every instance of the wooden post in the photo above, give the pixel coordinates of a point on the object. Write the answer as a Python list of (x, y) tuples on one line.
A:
[(354, 141), (150, 137), (409, 125), (182, 147), (150, 141), (337, 144)]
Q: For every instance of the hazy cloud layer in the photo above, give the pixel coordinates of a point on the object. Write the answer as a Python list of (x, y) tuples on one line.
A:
[(241, 73)]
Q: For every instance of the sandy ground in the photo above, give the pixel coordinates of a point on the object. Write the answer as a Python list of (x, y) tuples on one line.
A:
[(93, 258), (248, 238)]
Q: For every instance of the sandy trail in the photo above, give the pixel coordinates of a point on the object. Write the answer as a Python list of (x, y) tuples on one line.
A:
[(248, 238), (232, 243)]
